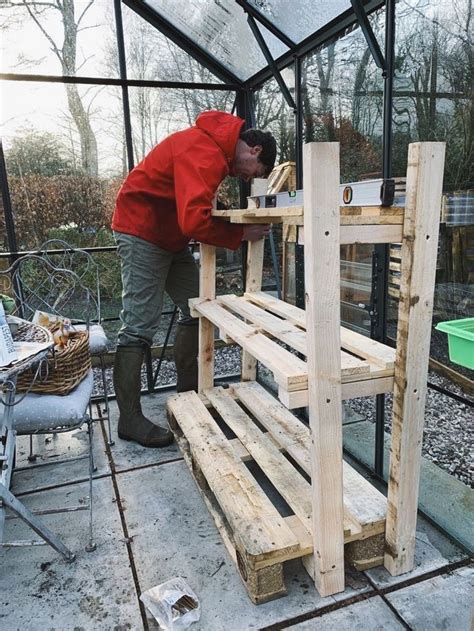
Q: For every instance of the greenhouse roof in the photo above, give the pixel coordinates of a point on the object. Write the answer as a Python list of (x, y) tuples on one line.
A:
[(222, 33)]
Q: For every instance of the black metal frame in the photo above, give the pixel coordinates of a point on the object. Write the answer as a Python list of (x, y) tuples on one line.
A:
[(244, 106)]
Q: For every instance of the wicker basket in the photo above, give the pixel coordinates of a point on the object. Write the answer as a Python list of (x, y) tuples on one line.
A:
[(65, 369)]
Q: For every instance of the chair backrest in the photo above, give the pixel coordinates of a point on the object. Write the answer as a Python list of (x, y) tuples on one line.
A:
[(63, 255), (36, 284)]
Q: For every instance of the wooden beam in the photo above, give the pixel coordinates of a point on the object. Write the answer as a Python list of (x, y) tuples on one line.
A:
[(365, 234), (207, 289), (322, 282), (350, 390), (418, 256), (253, 282)]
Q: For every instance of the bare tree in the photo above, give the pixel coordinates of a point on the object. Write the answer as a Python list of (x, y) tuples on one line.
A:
[(67, 56)]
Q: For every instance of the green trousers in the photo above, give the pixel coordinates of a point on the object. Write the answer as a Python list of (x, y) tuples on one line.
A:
[(147, 273)]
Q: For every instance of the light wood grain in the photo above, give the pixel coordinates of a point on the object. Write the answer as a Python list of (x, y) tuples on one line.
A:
[(322, 285), (418, 260)]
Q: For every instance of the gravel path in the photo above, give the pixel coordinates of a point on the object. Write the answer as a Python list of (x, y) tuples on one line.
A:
[(448, 439)]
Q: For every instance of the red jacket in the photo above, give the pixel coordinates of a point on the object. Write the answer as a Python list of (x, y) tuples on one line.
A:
[(167, 198)]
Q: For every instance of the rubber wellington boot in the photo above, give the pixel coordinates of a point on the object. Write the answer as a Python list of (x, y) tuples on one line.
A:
[(133, 425), (185, 356)]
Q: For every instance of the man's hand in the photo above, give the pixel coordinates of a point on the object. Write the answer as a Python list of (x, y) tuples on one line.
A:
[(255, 231)]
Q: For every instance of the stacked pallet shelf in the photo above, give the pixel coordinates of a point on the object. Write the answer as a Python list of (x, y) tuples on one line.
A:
[(247, 448)]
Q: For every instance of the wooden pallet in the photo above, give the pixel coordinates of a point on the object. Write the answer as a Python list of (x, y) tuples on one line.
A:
[(257, 536), (259, 323)]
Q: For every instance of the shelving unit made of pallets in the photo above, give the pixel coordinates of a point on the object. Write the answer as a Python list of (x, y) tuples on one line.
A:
[(339, 364), (229, 439), (260, 324)]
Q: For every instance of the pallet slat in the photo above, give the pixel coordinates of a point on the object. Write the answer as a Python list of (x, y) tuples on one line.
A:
[(288, 370), (261, 529), (294, 489), (363, 504), (377, 353), (286, 331)]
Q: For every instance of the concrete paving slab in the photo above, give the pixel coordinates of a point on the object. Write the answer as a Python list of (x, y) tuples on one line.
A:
[(127, 455), (38, 590), (174, 535), (367, 615), (49, 448), (433, 551), (443, 602), (444, 498)]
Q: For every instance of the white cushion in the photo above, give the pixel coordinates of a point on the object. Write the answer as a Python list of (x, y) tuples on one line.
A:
[(97, 338), (50, 411)]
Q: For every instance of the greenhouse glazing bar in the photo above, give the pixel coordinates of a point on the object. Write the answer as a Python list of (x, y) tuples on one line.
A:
[(382, 252), (271, 64), (136, 83), (268, 24), (123, 76), (333, 29)]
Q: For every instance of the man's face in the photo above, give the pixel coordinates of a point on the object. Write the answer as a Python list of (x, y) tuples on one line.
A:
[(246, 163)]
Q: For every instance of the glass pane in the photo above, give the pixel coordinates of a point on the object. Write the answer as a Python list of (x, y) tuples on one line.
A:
[(342, 100), (300, 19), (221, 29), (152, 56), (46, 38), (156, 112), (433, 101), (63, 169)]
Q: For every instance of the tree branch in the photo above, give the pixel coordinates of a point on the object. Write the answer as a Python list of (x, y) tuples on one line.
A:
[(84, 12), (55, 49)]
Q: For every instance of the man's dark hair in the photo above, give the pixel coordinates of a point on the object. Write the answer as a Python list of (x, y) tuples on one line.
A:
[(253, 137)]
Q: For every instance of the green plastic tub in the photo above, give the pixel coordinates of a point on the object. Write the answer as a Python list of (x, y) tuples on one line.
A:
[(460, 340)]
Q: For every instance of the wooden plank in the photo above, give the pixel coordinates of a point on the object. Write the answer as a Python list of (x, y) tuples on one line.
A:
[(251, 213), (293, 215), (418, 255), (207, 289), (253, 518), (278, 328), (374, 220), (395, 251), (288, 370), (286, 332), (350, 390), (446, 371), (255, 252), (364, 234), (371, 234), (372, 211), (322, 286), (363, 346), (364, 505), (356, 343), (291, 485)]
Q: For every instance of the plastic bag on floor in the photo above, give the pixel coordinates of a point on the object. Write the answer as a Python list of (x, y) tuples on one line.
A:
[(173, 604)]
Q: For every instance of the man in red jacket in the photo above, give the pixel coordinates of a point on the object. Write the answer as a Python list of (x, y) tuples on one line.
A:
[(165, 201)]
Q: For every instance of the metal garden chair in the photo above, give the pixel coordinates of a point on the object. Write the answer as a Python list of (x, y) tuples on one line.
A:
[(37, 285), (62, 255)]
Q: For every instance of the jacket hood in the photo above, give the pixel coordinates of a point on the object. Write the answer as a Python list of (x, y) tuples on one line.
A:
[(223, 128)]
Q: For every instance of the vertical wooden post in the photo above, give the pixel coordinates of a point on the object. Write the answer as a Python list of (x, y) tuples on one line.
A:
[(418, 269), (322, 282), (253, 280), (253, 283), (207, 289)]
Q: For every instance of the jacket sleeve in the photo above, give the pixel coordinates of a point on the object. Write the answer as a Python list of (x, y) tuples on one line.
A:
[(197, 175)]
